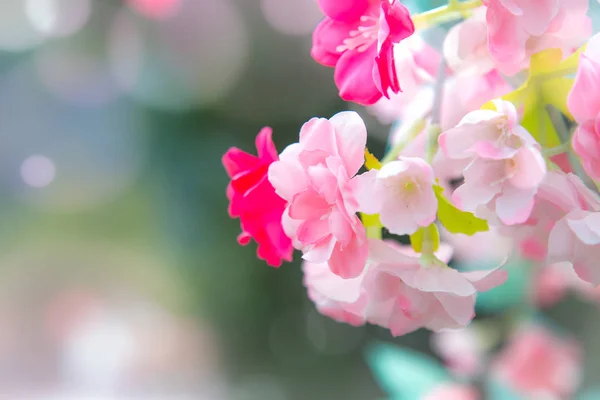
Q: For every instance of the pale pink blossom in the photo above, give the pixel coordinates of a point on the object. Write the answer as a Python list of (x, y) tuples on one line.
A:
[(506, 165), (416, 64), (253, 200), (466, 46), (584, 104), (314, 176), (558, 195), (452, 391), (461, 350), (536, 363), (488, 246), (576, 239), (517, 29), (401, 192), (357, 37), (550, 283), (343, 300), (407, 293)]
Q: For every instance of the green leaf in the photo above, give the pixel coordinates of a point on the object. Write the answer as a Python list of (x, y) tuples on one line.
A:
[(372, 225), (455, 220), (405, 374), (371, 162), (417, 238)]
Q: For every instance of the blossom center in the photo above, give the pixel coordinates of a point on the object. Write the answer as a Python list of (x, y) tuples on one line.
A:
[(363, 37)]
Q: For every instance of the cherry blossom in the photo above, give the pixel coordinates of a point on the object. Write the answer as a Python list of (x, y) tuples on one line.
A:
[(417, 63), (536, 364), (460, 349), (401, 192), (357, 37), (517, 29), (558, 194), (506, 164), (407, 293), (343, 300), (314, 176), (466, 46), (253, 200), (584, 104)]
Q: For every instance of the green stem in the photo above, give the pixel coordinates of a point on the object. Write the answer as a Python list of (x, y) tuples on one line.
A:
[(554, 151), (454, 10)]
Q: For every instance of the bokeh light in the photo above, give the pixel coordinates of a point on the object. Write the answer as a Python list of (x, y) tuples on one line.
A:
[(38, 171), (96, 150), (17, 33), (192, 59), (292, 17), (58, 17), (155, 9)]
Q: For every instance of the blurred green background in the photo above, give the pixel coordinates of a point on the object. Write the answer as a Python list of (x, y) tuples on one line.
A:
[(120, 274)]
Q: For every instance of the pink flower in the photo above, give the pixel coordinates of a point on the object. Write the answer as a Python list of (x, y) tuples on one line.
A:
[(489, 246), (357, 37), (576, 239), (314, 176), (466, 46), (461, 350), (536, 363), (452, 391), (558, 195), (401, 192), (343, 300), (253, 200), (518, 29), (584, 104), (417, 64), (407, 293), (506, 168), (551, 282)]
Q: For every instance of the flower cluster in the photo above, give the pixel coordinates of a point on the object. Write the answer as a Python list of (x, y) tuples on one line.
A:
[(495, 109)]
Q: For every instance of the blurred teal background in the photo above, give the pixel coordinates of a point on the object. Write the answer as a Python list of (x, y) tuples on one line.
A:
[(120, 274)]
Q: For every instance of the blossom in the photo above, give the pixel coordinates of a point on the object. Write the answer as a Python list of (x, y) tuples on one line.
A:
[(584, 103), (461, 350), (558, 195), (253, 200), (452, 391), (357, 37), (401, 192), (536, 364), (466, 46), (314, 177), (517, 29), (343, 300), (407, 292), (506, 165), (417, 64), (576, 239)]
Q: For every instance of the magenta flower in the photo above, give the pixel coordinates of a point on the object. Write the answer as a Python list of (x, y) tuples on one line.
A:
[(357, 37), (253, 200)]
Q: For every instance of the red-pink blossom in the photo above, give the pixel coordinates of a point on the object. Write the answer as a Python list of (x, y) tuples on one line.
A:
[(253, 200), (357, 37)]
